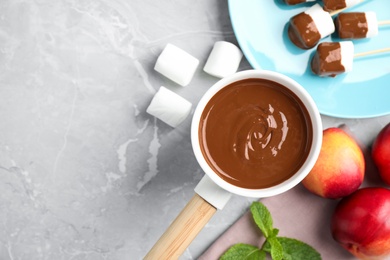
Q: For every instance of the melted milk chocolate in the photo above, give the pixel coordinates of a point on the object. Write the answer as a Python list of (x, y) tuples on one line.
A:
[(255, 133), (333, 5), (352, 25), (327, 60), (303, 32)]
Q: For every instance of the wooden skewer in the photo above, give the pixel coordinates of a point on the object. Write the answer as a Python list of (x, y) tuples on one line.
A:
[(333, 13), (363, 54), (387, 22)]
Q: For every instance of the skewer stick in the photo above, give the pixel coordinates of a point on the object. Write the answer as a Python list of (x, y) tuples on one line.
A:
[(387, 22), (362, 54), (333, 13)]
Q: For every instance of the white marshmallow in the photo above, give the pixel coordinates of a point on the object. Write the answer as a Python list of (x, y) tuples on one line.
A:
[(176, 64), (372, 24), (347, 53), (349, 3), (169, 107), (322, 20), (223, 60)]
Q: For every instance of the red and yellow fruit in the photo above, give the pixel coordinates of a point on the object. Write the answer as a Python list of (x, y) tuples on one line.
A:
[(340, 167), (361, 223), (381, 153)]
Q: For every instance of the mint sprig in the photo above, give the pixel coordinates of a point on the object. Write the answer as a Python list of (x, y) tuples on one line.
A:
[(280, 248)]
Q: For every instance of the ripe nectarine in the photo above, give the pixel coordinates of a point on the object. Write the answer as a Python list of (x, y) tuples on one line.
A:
[(381, 153), (340, 167), (361, 224)]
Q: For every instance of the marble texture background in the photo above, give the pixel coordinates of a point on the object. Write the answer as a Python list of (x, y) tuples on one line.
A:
[(85, 173)]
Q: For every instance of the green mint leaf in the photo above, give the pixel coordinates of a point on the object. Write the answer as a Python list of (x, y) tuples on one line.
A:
[(262, 218), (243, 252), (274, 233), (276, 248), (297, 250)]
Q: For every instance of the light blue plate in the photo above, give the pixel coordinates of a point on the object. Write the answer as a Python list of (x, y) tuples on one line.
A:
[(260, 27)]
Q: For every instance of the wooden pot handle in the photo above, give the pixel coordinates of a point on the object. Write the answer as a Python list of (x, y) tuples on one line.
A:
[(183, 230)]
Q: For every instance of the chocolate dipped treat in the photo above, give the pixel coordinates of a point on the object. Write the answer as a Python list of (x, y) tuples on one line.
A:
[(333, 58), (306, 29), (356, 25), (333, 5)]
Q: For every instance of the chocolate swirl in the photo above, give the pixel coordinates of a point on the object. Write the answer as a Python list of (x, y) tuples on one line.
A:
[(259, 133)]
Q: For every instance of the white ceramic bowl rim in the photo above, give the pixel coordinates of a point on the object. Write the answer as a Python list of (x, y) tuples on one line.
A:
[(313, 113)]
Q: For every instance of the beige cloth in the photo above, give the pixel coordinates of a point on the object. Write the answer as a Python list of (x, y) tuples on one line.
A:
[(297, 214)]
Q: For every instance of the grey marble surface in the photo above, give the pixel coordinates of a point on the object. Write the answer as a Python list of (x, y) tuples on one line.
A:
[(85, 172)]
